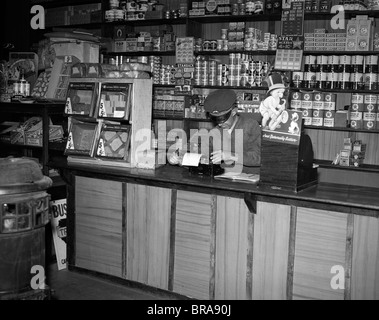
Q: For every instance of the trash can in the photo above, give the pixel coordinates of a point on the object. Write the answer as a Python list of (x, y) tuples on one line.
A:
[(24, 213)]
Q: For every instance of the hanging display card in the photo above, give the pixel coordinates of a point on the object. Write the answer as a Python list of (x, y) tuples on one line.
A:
[(293, 19), (184, 50), (289, 53)]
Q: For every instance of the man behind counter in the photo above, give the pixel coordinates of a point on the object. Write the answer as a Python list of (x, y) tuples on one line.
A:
[(240, 133)]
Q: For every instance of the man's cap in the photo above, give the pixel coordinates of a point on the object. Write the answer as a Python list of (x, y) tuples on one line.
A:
[(274, 81), (219, 101)]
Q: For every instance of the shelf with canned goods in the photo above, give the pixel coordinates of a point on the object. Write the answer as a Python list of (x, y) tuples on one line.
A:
[(235, 18), (230, 87), (347, 14), (340, 53), (147, 22), (141, 53), (227, 52), (333, 90)]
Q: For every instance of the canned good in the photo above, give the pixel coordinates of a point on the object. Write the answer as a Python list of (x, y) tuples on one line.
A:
[(329, 101), (309, 79), (318, 101), (357, 60), (331, 80), (297, 79), (357, 82), (306, 100), (320, 80), (317, 117), (371, 81), (295, 100), (371, 60), (344, 80)]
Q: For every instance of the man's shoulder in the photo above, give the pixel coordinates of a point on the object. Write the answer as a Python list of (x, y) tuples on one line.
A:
[(251, 117)]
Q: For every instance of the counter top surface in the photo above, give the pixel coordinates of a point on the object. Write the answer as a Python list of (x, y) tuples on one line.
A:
[(179, 177)]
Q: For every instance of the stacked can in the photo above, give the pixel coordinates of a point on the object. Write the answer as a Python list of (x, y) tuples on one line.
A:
[(371, 72), (370, 109), (318, 108), (356, 111), (235, 65), (356, 72), (329, 109), (212, 81), (167, 74), (363, 111), (155, 63), (307, 106), (222, 75), (201, 73)]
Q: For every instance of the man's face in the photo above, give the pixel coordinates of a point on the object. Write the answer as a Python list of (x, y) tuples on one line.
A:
[(221, 119)]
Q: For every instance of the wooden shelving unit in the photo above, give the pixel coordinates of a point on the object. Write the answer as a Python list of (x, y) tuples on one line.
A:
[(43, 110)]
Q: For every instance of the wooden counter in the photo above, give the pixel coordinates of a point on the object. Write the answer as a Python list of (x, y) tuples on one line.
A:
[(209, 239)]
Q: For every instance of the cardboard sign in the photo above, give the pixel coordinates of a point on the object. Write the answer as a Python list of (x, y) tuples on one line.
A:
[(59, 230), (288, 130)]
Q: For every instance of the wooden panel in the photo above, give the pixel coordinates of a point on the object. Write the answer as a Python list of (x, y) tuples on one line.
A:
[(99, 225), (326, 144), (148, 234), (320, 245), (231, 248), (365, 268), (270, 254), (192, 245)]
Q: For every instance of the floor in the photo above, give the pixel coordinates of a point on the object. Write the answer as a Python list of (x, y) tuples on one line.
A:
[(73, 285)]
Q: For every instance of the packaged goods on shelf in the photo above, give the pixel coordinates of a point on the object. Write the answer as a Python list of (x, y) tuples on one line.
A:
[(141, 10), (356, 72), (242, 70), (230, 7), (29, 132)]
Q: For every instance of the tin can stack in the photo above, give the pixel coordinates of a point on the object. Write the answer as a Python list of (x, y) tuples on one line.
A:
[(156, 65), (352, 72), (318, 108), (363, 112), (240, 71), (238, 38)]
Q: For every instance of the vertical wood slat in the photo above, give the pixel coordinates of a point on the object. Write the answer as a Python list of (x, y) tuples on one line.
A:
[(148, 235), (171, 263), (234, 222), (249, 256), (99, 225), (192, 244), (213, 247), (365, 261), (124, 245), (349, 255), (320, 244), (291, 252), (270, 255)]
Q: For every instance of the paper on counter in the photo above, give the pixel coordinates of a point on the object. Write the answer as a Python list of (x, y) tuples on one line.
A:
[(191, 159)]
